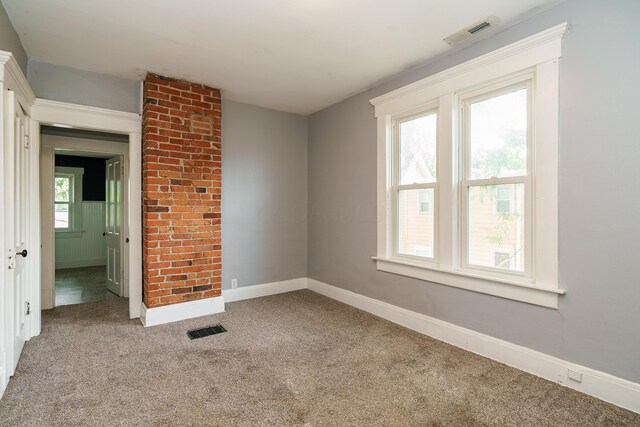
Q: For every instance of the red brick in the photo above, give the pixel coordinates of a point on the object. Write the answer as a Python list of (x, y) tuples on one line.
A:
[(181, 191)]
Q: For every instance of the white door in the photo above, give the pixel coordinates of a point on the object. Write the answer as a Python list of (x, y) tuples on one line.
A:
[(16, 197), (113, 224)]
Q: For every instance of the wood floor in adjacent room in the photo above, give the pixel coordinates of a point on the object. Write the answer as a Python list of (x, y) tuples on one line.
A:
[(79, 285), (290, 359)]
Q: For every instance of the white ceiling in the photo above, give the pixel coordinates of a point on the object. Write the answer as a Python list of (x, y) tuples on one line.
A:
[(291, 55)]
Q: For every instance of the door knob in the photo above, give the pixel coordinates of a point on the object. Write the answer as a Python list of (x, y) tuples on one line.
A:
[(104, 234), (23, 253)]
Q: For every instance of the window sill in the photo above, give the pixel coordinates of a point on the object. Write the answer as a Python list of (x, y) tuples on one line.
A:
[(69, 234), (546, 297)]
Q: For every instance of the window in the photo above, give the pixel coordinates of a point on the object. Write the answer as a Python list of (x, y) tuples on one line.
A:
[(467, 166), (495, 126), (503, 199), (63, 200), (415, 182), (68, 199)]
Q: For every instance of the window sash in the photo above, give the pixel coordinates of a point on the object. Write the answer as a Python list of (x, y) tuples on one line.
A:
[(396, 222), (70, 179), (464, 226), (396, 187), (465, 100), (69, 215), (74, 175)]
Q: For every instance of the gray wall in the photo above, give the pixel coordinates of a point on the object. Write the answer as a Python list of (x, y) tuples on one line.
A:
[(66, 84), (597, 323), (9, 40), (264, 195)]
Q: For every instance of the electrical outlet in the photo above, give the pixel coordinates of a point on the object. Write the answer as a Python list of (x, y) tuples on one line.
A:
[(234, 283), (576, 376)]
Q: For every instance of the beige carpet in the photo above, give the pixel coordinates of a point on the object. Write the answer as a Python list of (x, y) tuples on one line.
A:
[(290, 359)]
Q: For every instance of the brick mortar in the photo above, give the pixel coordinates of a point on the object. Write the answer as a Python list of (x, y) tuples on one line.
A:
[(181, 191)]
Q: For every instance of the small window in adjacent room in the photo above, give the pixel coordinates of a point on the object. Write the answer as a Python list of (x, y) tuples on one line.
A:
[(64, 201), (68, 199)]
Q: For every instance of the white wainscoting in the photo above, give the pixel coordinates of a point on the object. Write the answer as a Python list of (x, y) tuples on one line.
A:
[(87, 248)]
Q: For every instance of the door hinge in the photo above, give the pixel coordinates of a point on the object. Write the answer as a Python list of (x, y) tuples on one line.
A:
[(28, 308), (27, 140)]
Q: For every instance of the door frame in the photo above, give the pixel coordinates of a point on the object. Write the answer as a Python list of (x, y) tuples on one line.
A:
[(46, 112), (48, 149)]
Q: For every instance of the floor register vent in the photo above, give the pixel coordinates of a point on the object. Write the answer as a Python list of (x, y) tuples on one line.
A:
[(205, 332)]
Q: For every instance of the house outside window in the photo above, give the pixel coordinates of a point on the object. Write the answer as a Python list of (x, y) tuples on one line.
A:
[(503, 199), (502, 258), (425, 201)]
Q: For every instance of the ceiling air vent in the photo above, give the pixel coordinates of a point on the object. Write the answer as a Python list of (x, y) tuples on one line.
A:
[(471, 31)]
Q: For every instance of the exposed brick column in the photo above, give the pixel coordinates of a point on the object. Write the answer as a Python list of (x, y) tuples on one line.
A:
[(181, 165)]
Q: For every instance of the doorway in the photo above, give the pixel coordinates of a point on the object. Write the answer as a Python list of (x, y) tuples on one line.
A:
[(88, 212), (81, 118), (82, 173)]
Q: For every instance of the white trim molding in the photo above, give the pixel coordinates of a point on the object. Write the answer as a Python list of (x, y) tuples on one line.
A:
[(547, 297), (609, 388), (256, 291), (105, 120), (12, 76), (532, 63), (181, 311), (85, 117), (536, 49)]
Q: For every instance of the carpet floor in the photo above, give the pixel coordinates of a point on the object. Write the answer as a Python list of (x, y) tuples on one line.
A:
[(291, 359)]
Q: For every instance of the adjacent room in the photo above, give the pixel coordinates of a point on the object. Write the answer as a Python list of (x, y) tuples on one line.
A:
[(85, 173), (319, 213)]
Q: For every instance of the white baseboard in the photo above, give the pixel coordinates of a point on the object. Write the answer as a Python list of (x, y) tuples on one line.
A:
[(80, 263), (181, 311), (256, 291), (618, 391)]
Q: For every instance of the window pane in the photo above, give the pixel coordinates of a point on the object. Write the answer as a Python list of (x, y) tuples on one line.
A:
[(62, 189), (61, 215), (496, 226), (498, 136), (415, 227), (418, 150), (424, 198)]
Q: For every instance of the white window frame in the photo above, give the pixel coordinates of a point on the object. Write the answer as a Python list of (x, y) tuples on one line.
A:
[(75, 202), (397, 186), (535, 58), (502, 86)]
